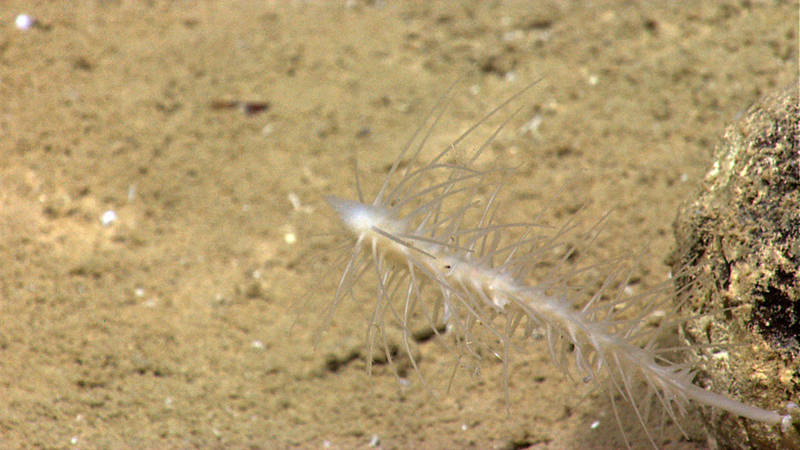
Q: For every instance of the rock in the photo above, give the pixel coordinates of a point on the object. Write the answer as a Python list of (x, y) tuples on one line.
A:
[(737, 260)]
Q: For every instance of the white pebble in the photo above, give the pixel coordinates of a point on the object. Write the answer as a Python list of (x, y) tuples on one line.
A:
[(594, 424), (24, 22), (531, 126), (374, 441), (628, 290), (258, 345), (297, 205), (294, 199), (108, 218)]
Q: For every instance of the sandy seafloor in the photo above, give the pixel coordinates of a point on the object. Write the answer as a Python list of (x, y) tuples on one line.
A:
[(172, 326)]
